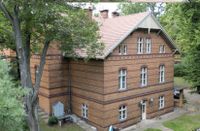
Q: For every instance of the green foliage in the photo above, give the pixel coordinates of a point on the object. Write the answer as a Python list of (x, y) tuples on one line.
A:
[(53, 21), (131, 8), (179, 70), (182, 22), (52, 120), (184, 123), (11, 107), (152, 129)]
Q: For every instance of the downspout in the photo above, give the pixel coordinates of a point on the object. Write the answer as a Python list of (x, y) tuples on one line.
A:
[(69, 109)]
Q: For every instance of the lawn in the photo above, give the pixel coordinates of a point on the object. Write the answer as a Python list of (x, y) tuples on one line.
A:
[(66, 127), (184, 123), (152, 129), (180, 82)]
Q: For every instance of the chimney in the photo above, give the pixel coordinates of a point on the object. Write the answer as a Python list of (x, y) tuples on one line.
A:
[(89, 12), (104, 14), (115, 14)]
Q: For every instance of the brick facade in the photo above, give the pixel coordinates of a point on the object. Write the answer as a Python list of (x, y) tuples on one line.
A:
[(95, 83)]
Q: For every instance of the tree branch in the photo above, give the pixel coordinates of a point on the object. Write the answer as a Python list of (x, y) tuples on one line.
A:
[(40, 70), (6, 12)]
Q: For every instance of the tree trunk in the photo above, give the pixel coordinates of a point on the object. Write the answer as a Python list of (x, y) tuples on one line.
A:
[(32, 117)]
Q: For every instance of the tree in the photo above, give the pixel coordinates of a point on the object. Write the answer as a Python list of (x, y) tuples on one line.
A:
[(182, 21), (131, 8), (36, 23), (11, 107)]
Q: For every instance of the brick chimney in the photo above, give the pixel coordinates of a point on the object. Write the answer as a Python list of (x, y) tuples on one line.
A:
[(115, 14), (104, 14)]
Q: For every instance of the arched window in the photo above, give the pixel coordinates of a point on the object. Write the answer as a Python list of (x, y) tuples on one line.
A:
[(122, 79), (143, 76), (122, 112), (162, 73)]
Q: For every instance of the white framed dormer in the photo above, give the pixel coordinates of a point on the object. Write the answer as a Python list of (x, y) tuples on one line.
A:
[(122, 78), (140, 45), (148, 45)]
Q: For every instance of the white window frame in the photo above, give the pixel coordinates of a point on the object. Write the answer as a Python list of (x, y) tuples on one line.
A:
[(148, 45), (140, 45), (122, 49), (84, 109), (122, 79), (122, 113), (162, 73), (143, 76), (125, 49), (161, 102), (162, 49)]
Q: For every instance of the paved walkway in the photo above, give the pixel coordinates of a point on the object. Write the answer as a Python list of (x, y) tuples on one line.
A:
[(156, 122)]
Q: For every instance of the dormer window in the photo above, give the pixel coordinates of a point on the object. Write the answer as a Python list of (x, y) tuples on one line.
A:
[(140, 45), (148, 45), (122, 49), (162, 49)]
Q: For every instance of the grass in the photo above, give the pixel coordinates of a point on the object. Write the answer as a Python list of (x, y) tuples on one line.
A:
[(65, 127), (180, 82), (152, 129), (184, 123)]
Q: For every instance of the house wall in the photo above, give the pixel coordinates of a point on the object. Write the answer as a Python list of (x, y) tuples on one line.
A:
[(95, 83), (113, 98)]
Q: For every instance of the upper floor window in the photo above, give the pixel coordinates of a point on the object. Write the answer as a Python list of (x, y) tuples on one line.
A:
[(84, 111), (148, 45), (122, 79), (122, 112), (122, 49), (143, 76), (161, 102), (162, 74), (140, 44), (162, 49)]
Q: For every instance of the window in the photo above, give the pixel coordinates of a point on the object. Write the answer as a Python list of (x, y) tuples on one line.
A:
[(36, 71), (148, 45), (122, 112), (122, 79), (162, 49), (84, 111), (123, 49), (162, 74), (143, 76), (140, 45), (161, 102)]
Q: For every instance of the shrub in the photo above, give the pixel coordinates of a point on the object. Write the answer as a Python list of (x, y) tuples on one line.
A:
[(52, 120)]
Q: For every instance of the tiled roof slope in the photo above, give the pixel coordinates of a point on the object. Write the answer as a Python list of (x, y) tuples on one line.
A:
[(114, 30)]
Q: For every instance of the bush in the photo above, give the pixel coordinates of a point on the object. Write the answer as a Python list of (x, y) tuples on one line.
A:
[(52, 120), (179, 70)]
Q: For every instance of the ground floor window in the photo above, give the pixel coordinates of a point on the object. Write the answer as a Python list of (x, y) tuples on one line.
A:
[(84, 111), (122, 112), (161, 102)]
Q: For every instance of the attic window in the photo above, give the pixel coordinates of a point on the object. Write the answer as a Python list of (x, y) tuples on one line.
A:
[(123, 49), (162, 49)]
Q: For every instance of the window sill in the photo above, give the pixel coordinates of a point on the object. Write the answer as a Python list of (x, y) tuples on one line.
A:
[(122, 90), (121, 120), (161, 108)]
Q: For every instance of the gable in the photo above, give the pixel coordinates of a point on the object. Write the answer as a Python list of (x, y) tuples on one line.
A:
[(150, 23)]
